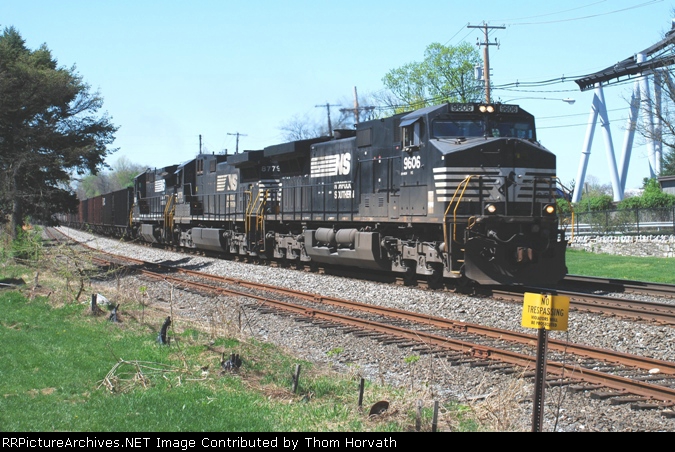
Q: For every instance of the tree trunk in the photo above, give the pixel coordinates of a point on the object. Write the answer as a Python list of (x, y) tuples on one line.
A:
[(17, 206)]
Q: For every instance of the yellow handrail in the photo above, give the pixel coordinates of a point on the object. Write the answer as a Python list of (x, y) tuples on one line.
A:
[(462, 185), (260, 219), (248, 211), (131, 215), (169, 211), (254, 206)]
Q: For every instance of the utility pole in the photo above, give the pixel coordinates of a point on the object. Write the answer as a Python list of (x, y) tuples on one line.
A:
[(330, 127), (486, 54), (236, 149), (356, 106), (357, 109)]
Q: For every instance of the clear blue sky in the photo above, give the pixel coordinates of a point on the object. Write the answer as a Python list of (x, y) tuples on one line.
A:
[(170, 71)]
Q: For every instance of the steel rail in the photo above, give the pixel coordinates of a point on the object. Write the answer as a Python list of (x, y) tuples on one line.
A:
[(619, 285), (645, 363), (621, 384), (663, 313)]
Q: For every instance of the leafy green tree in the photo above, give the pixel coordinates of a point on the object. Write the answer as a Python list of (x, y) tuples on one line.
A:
[(445, 75), (122, 175), (49, 128)]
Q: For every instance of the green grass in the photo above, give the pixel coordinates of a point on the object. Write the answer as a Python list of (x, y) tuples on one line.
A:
[(64, 369), (653, 269), (54, 359)]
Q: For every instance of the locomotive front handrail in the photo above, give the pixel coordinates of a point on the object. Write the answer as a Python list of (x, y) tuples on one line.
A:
[(249, 209), (169, 211), (462, 185), (260, 214)]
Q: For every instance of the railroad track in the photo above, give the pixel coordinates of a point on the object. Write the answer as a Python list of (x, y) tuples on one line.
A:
[(638, 310), (611, 285), (622, 378)]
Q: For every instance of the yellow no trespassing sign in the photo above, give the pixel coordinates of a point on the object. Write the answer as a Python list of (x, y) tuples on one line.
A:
[(545, 311)]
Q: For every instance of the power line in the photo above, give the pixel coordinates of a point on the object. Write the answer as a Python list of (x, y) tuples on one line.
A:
[(590, 16), (549, 14)]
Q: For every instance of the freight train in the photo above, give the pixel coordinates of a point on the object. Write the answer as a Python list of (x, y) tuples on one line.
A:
[(460, 191)]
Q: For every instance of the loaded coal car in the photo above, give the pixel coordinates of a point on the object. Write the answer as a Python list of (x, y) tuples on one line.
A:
[(117, 212)]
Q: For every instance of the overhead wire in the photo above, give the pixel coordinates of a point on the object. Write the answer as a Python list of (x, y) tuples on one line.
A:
[(590, 16), (550, 14)]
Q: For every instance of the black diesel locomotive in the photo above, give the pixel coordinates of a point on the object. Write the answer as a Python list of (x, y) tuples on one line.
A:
[(459, 191)]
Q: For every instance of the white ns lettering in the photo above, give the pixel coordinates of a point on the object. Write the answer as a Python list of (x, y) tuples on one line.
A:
[(344, 164), (232, 182)]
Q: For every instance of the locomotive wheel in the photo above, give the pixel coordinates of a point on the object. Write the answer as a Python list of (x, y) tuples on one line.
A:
[(463, 286), (435, 280), (410, 276)]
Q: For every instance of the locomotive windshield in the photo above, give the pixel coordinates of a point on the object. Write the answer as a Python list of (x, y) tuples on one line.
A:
[(515, 129), (446, 128), (451, 128)]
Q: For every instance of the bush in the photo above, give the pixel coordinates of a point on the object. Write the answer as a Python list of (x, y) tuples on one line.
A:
[(652, 198), (595, 203), (27, 246)]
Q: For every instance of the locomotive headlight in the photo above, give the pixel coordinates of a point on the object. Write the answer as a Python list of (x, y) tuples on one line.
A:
[(487, 108), (549, 209), (491, 209)]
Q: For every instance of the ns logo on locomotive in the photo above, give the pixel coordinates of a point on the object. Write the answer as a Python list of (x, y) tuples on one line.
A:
[(461, 191)]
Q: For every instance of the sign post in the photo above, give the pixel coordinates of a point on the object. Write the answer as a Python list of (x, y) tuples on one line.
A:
[(543, 312)]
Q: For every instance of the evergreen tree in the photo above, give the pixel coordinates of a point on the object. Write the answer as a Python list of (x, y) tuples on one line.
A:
[(49, 128)]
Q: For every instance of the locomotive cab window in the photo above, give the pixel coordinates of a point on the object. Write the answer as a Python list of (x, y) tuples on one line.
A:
[(515, 129), (412, 135), (446, 128)]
